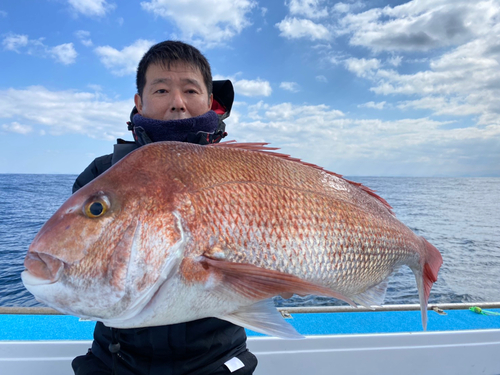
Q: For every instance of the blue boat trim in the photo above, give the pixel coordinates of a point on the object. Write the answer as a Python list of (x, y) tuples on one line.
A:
[(61, 327)]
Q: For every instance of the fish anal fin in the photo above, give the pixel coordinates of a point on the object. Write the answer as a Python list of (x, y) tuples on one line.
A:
[(258, 283), (263, 317), (374, 296)]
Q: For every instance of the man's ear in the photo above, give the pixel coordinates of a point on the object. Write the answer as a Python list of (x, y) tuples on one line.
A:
[(138, 103), (210, 101)]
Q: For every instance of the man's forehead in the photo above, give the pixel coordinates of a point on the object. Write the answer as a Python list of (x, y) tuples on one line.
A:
[(175, 66)]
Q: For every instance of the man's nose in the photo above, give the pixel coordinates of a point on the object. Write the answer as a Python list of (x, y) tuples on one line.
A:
[(178, 102)]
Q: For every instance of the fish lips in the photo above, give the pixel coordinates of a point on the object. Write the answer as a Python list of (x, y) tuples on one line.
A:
[(41, 269)]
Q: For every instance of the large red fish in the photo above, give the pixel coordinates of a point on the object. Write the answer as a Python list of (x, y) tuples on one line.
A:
[(176, 232)]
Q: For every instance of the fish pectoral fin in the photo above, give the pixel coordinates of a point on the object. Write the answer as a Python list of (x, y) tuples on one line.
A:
[(374, 296), (258, 283), (264, 318)]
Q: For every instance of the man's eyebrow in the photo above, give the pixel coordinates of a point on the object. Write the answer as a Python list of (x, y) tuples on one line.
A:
[(192, 81), (183, 80)]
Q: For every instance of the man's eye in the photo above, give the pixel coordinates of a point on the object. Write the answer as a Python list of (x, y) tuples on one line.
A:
[(192, 92), (161, 91)]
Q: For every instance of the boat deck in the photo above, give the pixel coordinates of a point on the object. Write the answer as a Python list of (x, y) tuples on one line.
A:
[(375, 342)]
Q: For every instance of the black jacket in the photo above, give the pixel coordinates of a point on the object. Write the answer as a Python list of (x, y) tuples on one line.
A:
[(195, 348)]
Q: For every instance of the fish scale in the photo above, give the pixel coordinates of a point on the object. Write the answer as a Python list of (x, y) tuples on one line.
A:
[(306, 233), (216, 231)]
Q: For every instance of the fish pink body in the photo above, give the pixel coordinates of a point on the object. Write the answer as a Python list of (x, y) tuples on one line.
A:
[(176, 232)]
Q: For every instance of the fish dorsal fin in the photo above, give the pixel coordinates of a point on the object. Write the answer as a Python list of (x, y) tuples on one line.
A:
[(263, 148)]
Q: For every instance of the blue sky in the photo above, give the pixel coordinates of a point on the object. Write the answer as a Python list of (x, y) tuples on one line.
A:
[(376, 88)]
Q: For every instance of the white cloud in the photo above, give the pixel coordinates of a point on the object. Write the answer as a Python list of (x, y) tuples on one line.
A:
[(94, 87), (301, 113), (307, 8), (331, 139), (341, 7), (373, 105), (125, 61), (256, 87), (97, 8), (253, 110), (294, 28), (290, 86), (321, 78), (16, 127), (362, 67), (208, 22), (91, 114), (444, 106), (220, 77), (84, 37), (395, 60), (420, 25), (13, 42), (245, 87), (462, 82), (64, 53)]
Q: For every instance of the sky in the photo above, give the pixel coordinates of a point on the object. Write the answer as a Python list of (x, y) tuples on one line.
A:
[(361, 88)]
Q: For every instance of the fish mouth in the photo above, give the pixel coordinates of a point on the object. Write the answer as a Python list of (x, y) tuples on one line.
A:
[(42, 269), (31, 280)]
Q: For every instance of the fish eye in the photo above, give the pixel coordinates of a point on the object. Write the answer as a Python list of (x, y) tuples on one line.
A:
[(96, 207)]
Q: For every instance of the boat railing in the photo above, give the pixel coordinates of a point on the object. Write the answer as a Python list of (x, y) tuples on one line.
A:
[(295, 310)]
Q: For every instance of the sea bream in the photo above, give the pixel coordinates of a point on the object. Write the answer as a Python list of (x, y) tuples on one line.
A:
[(176, 232)]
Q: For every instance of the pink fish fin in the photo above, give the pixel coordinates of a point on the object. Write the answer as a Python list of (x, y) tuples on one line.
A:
[(262, 147), (374, 296), (258, 283), (426, 276), (263, 317), (251, 146)]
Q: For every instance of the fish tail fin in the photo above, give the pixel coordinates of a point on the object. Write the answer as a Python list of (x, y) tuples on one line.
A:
[(426, 275)]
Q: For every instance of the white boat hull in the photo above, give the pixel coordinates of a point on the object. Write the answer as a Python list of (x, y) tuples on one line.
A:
[(440, 353), (388, 341)]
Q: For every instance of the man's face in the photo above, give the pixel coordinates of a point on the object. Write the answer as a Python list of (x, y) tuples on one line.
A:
[(173, 94)]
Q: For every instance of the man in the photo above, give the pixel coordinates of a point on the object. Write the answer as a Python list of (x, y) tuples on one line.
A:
[(173, 103)]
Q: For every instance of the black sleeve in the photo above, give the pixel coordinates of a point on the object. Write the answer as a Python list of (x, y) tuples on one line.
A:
[(94, 169)]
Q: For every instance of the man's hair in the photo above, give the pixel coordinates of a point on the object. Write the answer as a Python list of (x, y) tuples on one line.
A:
[(171, 52)]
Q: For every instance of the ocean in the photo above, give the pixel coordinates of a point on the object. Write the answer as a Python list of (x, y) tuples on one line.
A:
[(460, 216)]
